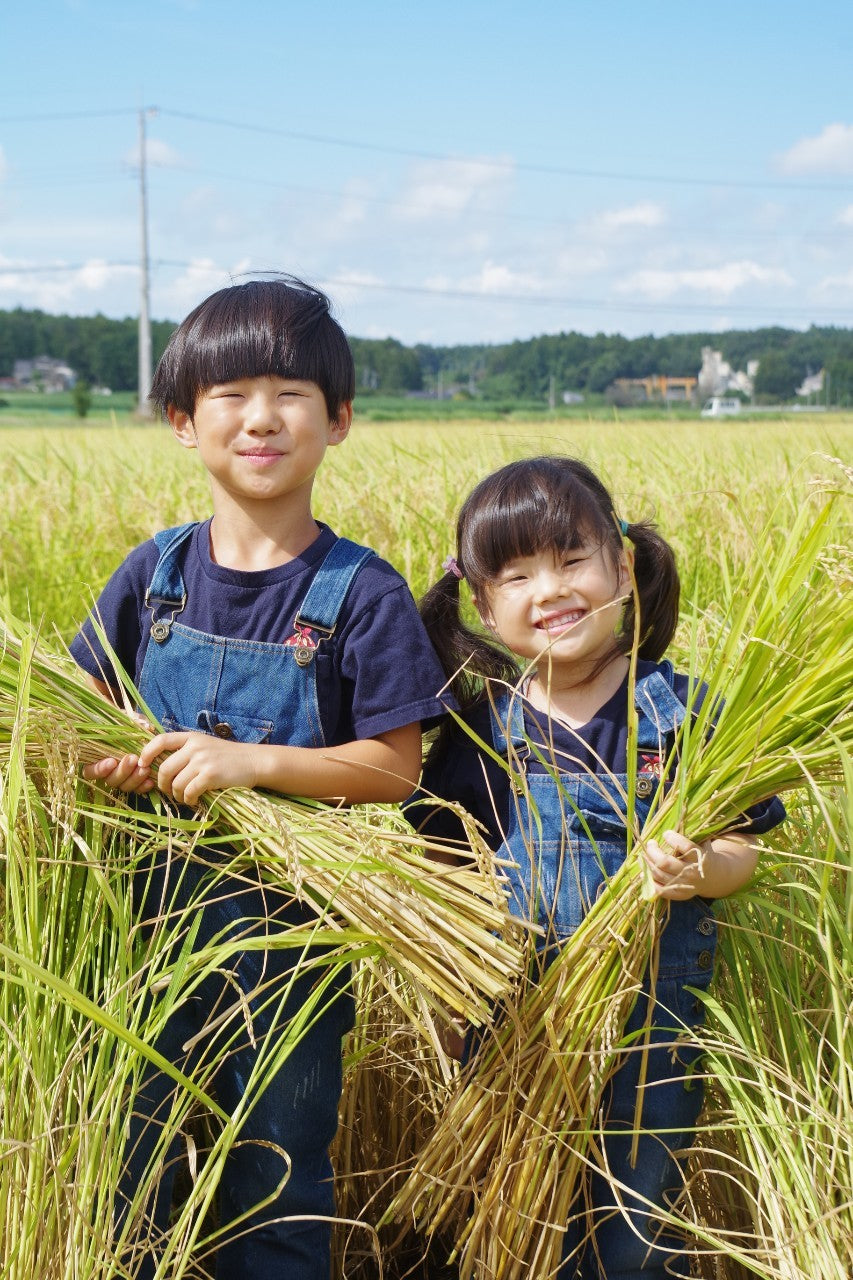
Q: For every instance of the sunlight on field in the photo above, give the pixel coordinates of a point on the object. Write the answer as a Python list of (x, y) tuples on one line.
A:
[(76, 499)]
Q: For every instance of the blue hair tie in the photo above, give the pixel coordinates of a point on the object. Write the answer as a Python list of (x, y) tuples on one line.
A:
[(623, 528)]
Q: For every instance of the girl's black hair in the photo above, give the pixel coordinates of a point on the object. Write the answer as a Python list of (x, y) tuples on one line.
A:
[(277, 327), (543, 504)]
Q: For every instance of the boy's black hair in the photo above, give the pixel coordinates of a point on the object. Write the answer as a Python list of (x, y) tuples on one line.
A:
[(543, 504), (279, 327)]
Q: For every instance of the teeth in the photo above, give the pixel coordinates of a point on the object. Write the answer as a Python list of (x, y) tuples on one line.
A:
[(564, 620)]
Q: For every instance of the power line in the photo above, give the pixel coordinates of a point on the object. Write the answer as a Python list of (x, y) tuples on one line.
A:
[(512, 165), (470, 295), (68, 115), (444, 157)]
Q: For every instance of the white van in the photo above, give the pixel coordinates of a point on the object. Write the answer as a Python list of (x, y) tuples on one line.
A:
[(720, 407)]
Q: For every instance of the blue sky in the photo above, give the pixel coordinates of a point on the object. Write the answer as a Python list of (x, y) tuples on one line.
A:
[(450, 172)]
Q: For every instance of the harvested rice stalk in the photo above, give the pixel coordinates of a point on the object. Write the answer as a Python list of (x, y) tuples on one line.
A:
[(439, 924)]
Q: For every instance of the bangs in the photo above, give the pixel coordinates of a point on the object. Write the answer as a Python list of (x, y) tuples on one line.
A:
[(258, 333), (264, 328), (527, 508)]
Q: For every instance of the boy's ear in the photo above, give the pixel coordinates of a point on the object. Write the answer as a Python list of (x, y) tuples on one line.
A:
[(182, 427), (339, 425)]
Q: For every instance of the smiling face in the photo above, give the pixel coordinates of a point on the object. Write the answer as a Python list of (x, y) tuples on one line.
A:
[(261, 439), (558, 609)]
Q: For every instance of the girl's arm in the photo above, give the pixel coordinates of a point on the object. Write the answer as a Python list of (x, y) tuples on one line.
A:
[(681, 868)]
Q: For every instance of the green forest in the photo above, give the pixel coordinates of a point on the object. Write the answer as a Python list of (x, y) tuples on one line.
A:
[(103, 352)]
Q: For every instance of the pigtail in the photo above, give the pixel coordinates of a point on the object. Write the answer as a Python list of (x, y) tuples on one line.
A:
[(467, 657), (658, 591)]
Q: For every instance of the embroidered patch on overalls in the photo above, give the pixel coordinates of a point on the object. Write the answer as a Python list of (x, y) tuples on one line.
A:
[(652, 764), (304, 644)]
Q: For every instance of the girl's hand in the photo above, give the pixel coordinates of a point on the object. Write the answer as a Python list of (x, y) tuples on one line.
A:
[(677, 866), (124, 773), (681, 868), (198, 762)]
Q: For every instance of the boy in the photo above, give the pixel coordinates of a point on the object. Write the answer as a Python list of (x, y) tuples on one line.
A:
[(274, 655)]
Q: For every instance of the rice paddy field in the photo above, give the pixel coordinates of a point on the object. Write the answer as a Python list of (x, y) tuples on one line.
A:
[(759, 515)]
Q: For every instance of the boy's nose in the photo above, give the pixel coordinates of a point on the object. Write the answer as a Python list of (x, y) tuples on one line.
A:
[(261, 416)]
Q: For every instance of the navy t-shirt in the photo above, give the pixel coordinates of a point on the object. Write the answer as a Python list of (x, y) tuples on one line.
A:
[(376, 673), (458, 769)]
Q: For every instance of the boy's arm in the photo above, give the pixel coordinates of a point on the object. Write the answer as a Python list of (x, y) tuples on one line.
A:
[(380, 769), (683, 869)]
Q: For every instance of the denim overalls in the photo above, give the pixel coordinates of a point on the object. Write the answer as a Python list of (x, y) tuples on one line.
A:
[(251, 692), (566, 837)]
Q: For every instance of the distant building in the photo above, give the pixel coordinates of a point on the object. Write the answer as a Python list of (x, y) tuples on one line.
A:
[(657, 386), (43, 374), (812, 385), (716, 376), (572, 397)]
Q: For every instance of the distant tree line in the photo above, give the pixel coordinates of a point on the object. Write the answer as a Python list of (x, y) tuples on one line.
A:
[(103, 352)]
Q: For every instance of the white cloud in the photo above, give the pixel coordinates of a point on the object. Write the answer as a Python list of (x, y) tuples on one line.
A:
[(845, 217), (644, 214), (201, 277), (157, 153), (834, 284), (830, 152), (492, 278), (722, 281), (448, 188), (57, 291)]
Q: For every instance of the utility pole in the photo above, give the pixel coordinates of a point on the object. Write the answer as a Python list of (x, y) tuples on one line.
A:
[(143, 407)]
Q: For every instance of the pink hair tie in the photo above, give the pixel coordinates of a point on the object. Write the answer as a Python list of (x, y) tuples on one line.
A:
[(450, 566)]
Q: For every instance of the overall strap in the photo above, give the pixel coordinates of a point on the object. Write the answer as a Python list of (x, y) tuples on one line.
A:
[(662, 711), (506, 713), (325, 597), (167, 582)]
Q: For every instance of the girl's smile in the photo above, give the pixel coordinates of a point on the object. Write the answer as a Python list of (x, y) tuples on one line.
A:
[(559, 622), (559, 608)]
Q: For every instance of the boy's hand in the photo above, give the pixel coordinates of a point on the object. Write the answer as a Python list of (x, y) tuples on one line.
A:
[(198, 762)]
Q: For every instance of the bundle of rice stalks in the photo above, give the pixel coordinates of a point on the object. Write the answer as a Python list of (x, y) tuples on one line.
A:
[(396, 1082), (440, 925), (504, 1162)]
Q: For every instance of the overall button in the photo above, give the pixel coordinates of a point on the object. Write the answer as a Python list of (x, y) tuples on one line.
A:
[(706, 925), (645, 785), (704, 960), (223, 730)]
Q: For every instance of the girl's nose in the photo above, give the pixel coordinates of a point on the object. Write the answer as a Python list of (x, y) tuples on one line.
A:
[(548, 585)]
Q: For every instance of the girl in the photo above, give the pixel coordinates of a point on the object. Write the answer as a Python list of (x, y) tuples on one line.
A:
[(541, 762)]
